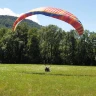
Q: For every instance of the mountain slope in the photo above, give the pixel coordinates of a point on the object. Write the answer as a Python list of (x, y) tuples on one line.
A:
[(7, 21)]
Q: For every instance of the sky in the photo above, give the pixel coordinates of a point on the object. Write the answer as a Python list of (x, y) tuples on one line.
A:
[(84, 10)]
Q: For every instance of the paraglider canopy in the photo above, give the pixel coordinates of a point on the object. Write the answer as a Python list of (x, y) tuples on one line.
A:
[(55, 13)]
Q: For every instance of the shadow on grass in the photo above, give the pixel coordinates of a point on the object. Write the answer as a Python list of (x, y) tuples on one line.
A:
[(54, 74)]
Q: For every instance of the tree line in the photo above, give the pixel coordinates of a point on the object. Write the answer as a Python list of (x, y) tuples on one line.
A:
[(47, 45)]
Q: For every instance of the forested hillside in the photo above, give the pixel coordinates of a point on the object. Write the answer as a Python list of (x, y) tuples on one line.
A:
[(48, 44), (7, 21)]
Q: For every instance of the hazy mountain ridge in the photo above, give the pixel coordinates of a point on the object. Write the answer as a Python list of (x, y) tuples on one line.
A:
[(7, 21)]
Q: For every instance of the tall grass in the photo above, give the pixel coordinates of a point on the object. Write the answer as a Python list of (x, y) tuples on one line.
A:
[(32, 80)]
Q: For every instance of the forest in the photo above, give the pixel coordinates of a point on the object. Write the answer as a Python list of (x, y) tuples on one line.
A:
[(46, 45)]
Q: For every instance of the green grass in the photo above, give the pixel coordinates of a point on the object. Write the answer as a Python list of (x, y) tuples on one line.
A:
[(31, 80)]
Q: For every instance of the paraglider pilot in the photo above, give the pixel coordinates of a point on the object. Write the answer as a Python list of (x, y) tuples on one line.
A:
[(47, 69)]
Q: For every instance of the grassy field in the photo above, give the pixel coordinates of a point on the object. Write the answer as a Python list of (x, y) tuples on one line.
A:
[(32, 80)]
